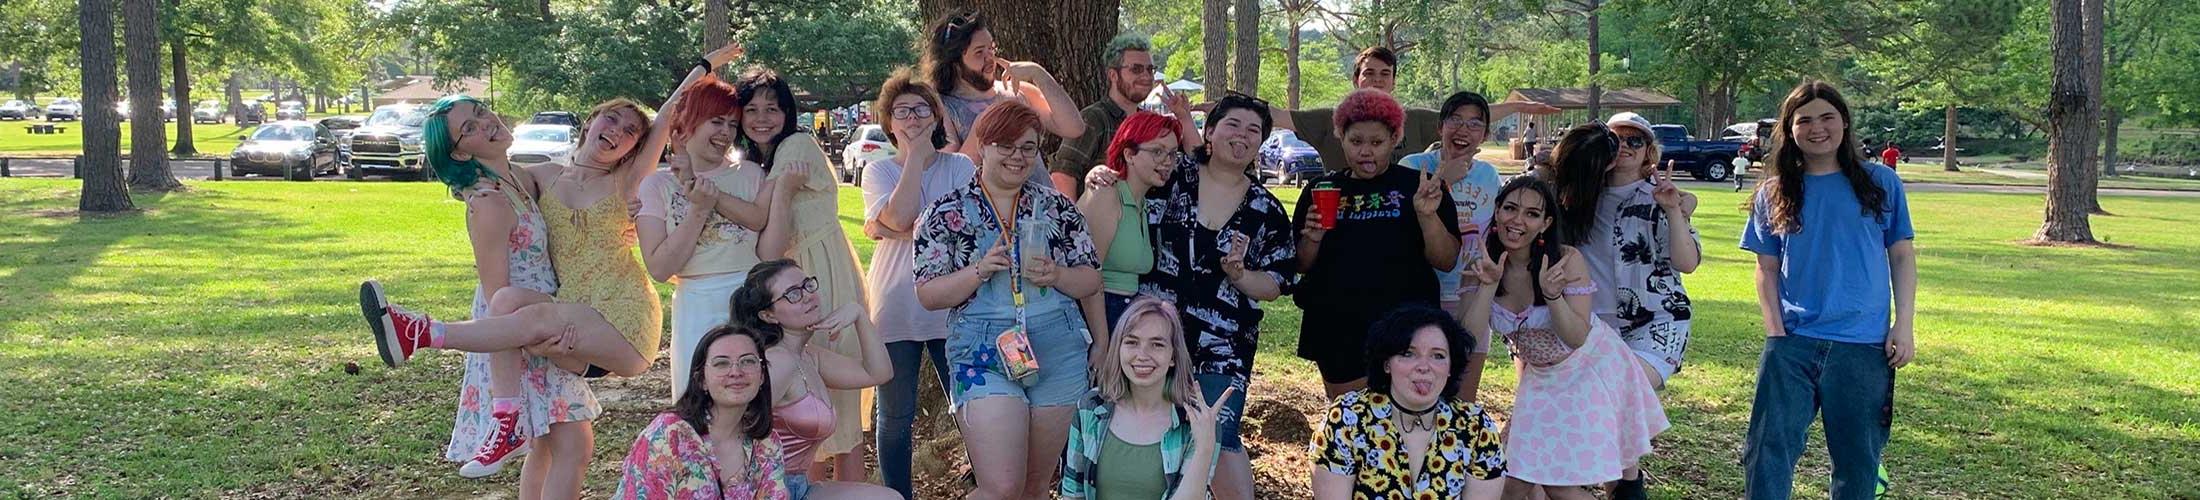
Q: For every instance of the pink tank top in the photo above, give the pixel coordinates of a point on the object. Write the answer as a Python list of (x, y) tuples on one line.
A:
[(801, 425)]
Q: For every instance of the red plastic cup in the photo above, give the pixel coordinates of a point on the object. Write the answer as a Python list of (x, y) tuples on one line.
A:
[(1326, 200)]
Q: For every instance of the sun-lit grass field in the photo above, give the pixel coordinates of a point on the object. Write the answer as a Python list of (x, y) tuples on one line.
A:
[(198, 348)]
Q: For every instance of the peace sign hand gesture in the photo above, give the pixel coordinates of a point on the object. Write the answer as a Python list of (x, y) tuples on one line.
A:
[(1233, 263), (1488, 272), (1203, 416), (1666, 193), (1429, 195)]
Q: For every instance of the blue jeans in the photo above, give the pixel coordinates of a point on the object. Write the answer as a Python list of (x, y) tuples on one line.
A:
[(896, 411), (1800, 379), (1212, 386)]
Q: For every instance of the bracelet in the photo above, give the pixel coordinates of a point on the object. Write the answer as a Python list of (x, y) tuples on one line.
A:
[(1554, 299), (705, 65)]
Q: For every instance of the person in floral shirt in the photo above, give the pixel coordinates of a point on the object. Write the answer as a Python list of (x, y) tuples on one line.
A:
[(1371, 439), (1010, 257), (716, 443)]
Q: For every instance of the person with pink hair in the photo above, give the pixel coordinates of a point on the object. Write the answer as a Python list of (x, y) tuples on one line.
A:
[(1393, 228)]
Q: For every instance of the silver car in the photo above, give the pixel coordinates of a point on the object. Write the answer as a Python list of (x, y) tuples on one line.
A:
[(541, 143)]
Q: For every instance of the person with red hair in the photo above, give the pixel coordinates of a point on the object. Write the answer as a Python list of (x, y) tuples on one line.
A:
[(1010, 256), (1393, 229), (701, 220), (1142, 153)]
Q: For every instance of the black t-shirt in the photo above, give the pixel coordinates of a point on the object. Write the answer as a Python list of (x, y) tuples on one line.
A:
[(1372, 261)]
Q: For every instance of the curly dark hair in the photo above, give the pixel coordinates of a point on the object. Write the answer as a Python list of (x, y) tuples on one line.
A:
[(1393, 334), (942, 50), (695, 402)]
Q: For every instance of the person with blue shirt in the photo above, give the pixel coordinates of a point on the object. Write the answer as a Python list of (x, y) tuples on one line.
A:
[(1833, 242), (1471, 183)]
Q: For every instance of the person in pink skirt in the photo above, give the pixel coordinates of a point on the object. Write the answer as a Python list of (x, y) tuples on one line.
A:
[(1583, 412)]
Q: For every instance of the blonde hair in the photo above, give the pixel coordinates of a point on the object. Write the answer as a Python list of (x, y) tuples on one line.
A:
[(614, 105), (1177, 386)]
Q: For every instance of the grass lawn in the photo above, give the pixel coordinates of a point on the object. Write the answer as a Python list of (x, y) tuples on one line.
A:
[(212, 139), (1932, 172), (197, 349)]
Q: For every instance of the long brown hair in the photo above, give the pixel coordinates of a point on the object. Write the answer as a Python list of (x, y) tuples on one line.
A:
[(695, 403), (1783, 192), (1578, 167)]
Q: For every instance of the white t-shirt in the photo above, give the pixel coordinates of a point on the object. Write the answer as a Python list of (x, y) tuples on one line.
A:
[(892, 275)]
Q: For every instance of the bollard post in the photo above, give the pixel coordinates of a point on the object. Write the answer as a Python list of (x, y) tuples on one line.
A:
[(4, 167), (218, 167), (76, 167)]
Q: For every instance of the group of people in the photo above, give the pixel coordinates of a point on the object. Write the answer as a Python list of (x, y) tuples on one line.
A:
[(1103, 305)]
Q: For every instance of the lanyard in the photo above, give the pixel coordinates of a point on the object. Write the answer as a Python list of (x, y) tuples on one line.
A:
[(1008, 230)]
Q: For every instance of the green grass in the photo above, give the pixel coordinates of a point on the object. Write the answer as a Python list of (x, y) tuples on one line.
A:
[(211, 139), (1932, 172), (196, 349)]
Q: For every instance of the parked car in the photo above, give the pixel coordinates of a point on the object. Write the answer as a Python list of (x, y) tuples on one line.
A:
[(209, 111), (388, 143), (539, 143), (294, 149), (64, 109), (1753, 136), (1285, 158), (1706, 160), (342, 127), (17, 109), (867, 144), (290, 110), (565, 118), (251, 113), (167, 110)]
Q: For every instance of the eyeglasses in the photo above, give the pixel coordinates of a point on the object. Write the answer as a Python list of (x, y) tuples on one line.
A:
[(1469, 124), (1633, 141), (907, 112), (1238, 95), (1027, 150), (1138, 68), (1164, 153), (799, 291), (746, 363)]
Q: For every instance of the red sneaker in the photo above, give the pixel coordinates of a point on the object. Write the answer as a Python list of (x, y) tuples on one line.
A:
[(398, 333), (504, 445)]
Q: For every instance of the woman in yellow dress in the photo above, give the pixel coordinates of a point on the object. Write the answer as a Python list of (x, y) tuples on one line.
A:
[(806, 199)]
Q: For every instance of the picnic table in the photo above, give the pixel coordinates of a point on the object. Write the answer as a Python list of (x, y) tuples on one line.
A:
[(44, 128)]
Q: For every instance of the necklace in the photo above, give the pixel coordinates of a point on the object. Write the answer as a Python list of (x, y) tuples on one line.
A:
[(1417, 418)]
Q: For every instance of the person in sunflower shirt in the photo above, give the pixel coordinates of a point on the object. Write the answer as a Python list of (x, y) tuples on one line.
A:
[(1407, 435)]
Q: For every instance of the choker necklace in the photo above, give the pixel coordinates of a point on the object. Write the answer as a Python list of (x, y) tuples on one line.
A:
[(1417, 418)]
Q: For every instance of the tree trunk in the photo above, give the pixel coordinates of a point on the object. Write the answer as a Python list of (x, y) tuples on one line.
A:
[(1948, 140), (1291, 65), (2072, 124), (2096, 65), (1245, 68), (716, 29), (1214, 31), (1596, 92), (149, 139), (1703, 107), (103, 190), (1081, 31), (233, 90), (184, 104)]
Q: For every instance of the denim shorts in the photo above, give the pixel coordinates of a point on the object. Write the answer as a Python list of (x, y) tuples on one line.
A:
[(1211, 385), (1057, 338)]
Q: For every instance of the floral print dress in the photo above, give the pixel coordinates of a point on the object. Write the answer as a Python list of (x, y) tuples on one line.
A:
[(1361, 439), (550, 395), (670, 461)]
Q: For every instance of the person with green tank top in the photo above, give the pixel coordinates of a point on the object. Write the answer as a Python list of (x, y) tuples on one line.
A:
[(1142, 154)]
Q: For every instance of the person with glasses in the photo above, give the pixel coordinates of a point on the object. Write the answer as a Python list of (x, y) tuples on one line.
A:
[(961, 60), (716, 443), (1143, 154), (1582, 411), (1393, 228), (785, 306), (895, 191), (1470, 182), (1010, 257), (1130, 73)]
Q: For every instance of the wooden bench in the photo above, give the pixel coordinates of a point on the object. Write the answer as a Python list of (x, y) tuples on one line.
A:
[(45, 129)]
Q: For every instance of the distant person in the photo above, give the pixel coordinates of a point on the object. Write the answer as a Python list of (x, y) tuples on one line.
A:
[(961, 60), (1837, 287), (1890, 156), (1377, 68), (1128, 64)]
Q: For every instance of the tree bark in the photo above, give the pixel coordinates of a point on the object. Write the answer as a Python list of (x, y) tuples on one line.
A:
[(2113, 119), (1291, 66), (1245, 54), (2096, 65), (716, 29), (233, 90), (1948, 140), (149, 139), (1214, 30), (1081, 30), (184, 104), (2072, 123), (103, 190)]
